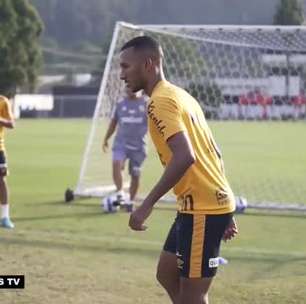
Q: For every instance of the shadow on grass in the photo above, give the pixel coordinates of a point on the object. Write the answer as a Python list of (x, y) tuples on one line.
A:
[(275, 214), (78, 202), (267, 265), (275, 260), (98, 247), (60, 216), (114, 247)]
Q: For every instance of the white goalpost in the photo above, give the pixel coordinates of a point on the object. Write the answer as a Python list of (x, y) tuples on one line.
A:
[(248, 74)]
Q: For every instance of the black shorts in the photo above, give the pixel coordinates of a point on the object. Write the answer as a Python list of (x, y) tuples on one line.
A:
[(3, 164), (195, 239)]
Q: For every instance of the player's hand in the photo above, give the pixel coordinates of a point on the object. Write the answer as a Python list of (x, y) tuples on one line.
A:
[(230, 231), (138, 217), (105, 146)]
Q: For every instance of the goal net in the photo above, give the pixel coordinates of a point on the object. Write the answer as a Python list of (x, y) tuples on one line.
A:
[(250, 82)]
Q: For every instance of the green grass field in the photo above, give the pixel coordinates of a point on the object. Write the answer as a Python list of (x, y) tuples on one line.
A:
[(73, 253)]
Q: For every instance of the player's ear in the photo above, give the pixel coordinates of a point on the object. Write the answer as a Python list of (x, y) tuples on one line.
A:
[(148, 63)]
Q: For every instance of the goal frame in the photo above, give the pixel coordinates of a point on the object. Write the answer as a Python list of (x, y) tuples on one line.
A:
[(101, 191)]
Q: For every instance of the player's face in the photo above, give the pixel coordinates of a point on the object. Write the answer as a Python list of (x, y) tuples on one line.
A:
[(132, 70)]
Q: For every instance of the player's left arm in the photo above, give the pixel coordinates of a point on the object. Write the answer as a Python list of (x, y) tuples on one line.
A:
[(7, 123), (7, 118), (182, 158), (231, 230)]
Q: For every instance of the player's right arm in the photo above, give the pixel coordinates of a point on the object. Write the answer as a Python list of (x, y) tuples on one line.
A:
[(110, 131), (111, 127)]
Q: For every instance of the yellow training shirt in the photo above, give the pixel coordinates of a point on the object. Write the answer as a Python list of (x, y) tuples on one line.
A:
[(204, 188), (5, 113)]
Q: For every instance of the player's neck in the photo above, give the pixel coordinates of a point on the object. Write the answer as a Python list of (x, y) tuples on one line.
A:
[(152, 84)]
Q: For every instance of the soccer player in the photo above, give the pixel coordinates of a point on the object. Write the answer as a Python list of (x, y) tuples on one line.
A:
[(130, 117), (193, 167), (6, 121), (243, 106), (299, 105)]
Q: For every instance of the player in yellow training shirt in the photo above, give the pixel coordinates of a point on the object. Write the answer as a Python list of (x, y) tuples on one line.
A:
[(6, 121), (193, 167)]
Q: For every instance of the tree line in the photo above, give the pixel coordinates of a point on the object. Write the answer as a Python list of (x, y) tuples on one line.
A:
[(82, 24), (20, 53), (71, 22)]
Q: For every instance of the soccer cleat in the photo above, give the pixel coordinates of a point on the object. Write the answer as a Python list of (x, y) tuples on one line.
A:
[(7, 223), (222, 261)]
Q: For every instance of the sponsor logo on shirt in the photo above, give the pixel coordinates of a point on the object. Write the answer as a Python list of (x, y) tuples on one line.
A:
[(131, 119), (222, 196), (157, 122)]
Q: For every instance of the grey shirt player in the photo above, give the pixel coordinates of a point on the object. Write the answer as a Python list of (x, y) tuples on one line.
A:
[(129, 120), (130, 139), (132, 124)]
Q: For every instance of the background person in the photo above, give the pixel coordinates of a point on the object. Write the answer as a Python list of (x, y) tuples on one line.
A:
[(130, 119), (6, 121)]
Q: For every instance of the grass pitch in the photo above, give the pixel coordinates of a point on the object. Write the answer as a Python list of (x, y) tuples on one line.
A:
[(75, 254)]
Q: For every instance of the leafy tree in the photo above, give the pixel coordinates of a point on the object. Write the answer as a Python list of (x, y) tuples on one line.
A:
[(289, 12), (20, 55)]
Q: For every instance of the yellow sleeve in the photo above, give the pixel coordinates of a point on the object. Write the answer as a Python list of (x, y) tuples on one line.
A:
[(166, 116), (6, 112)]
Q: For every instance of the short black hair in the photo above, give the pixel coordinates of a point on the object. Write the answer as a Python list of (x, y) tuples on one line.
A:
[(143, 43)]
